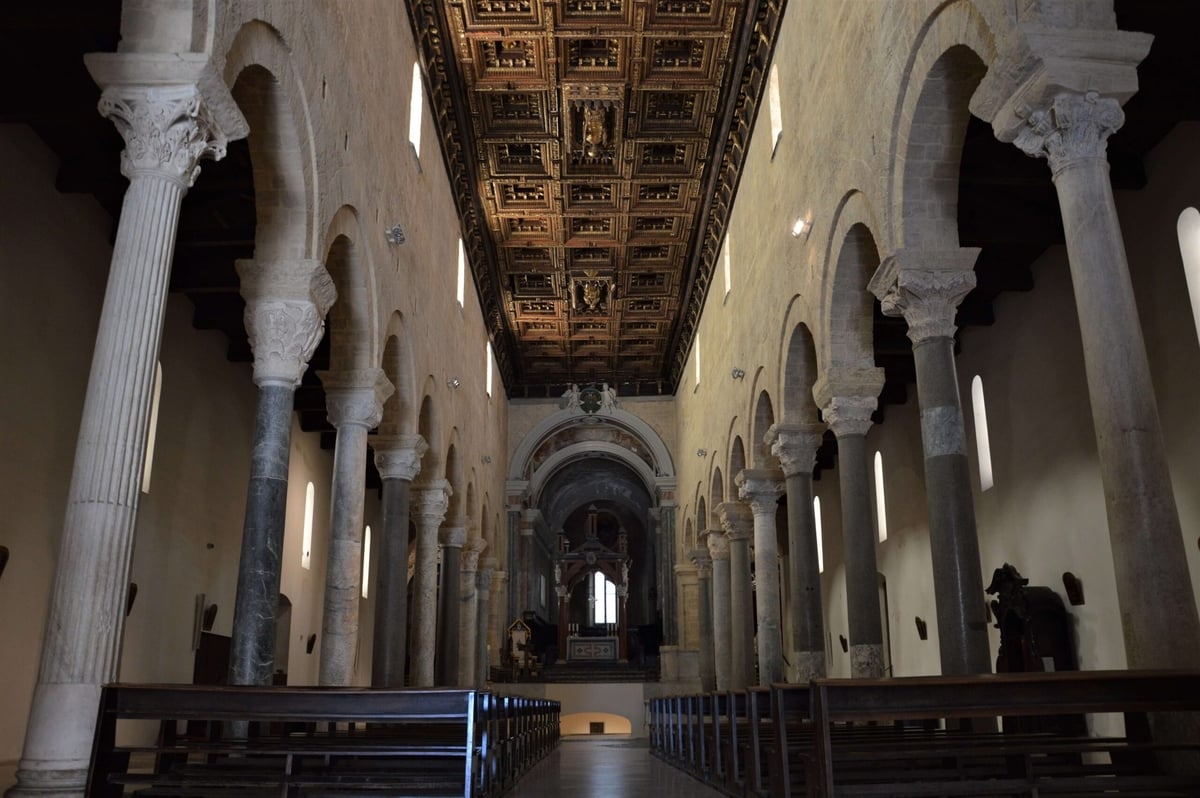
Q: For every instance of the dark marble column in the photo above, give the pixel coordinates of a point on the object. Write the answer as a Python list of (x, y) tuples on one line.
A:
[(398, 459), (286, 302), (449, 604), (796, 447)]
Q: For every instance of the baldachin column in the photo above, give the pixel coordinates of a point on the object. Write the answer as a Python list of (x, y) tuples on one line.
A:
[(718, 549), (429, 503), (171, 110), (354, 401), (398, 459), (796, 447), (761, 489), (738, 522)]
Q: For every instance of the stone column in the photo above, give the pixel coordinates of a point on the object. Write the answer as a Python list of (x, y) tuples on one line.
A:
[(512, 592), (704, 569), (738, 522), (718, 550), (172, 110), (796, 447), (927, 295), (484, 625), (286, 303), (398, 459), (526, 561), (761, 489), (429, 503), (449, 605), (354, 403), (468, 629), (849, 416), (664, 518), (1160, 625)]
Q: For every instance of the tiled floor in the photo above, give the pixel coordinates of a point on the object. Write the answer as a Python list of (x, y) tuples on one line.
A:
[(607, 767)]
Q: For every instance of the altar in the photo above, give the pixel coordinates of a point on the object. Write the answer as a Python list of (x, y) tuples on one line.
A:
[(593, 649)]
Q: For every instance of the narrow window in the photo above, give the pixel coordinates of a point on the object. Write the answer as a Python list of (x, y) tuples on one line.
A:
[(776, 107), (489, 368), (880, 504), (728, 275), (306, 549), (152, 432), (460, 290), (820, 534), (604, 592), (366, 559), (696, 351), (415, 105), (981, 433), (1188, 230)]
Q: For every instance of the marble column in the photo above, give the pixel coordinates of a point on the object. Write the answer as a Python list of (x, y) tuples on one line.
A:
[(450, 605), (927, 294), (718, 549), (761, 489), (172, 110), (286, 303), (796, 447), (849, 416), (398, 459), (483, 625), (468, 629), (664, 518), (499, 620), (512, 592), (429, 503), (738, 522), (1160, 625), (704, 569), (354, 403), (527, 562)]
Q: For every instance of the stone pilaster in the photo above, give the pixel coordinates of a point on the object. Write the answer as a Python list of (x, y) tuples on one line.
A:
[(761, 489), (704, 569), (926, 288), (718, 549), (450, 605), (483, 624), (398, 459), (738, 523), (795, 445), (429, 504), (468, 632), (171, 113), (1161, 626), (354, 402), (847, 400)]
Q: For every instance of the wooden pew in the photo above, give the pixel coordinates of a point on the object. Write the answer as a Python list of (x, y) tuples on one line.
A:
[(850, 761), (790, 759), (304, 740)]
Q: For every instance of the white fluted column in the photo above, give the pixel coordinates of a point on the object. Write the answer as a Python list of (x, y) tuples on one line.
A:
[(429, 504), (172, 110), (468, 632), (354, 402), (761, 489)]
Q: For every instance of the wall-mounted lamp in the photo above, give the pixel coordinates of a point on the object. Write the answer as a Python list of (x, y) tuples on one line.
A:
[(486, 459), (453, 382), (800, 227), (395, 235), (702, 452), (738, 373)]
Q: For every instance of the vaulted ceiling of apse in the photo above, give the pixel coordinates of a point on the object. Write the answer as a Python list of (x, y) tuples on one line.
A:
[(594, 148)]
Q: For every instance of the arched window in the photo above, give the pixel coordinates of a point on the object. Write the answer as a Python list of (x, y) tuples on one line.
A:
[(727, 265), (415, 105), (306, 546), (461, 287), (488, 356), (366, 575), (880, 503), (820, 534), (605, 592), (696, 357), (1188, 230), (776, 107), (152, 432), (982, 444)]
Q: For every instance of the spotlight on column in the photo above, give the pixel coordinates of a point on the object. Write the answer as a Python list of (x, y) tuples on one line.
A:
[(486, 459), (453, 382), (800, 227), (702, 452), (738, 373), (395, 235)]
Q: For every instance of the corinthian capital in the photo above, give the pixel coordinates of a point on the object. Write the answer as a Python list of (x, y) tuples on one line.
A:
[(795, 445), (398, 456), (737, 520), (761, 489), (925, 287), (849, 415), (286, 303), (718, 544), (1073, 127), (470, 553), (430, 501), (355, 396)]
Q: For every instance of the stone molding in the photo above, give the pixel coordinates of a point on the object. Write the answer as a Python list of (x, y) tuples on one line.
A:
[(795, 446), (430, 501), (928, 299), (286, 303), (453, 537), (849, 415), (737, 520), (1071, 128), (398, 456), (761, 489), (718, 545), (355, 397)]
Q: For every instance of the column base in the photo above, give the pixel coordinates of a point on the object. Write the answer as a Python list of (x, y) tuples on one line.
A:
[(866, 661), (808, 665), (58, 742)]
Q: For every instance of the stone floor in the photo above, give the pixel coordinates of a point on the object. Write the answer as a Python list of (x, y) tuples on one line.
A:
[(612, 766)]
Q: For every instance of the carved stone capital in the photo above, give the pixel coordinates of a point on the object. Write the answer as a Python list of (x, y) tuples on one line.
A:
[(1073, 127), (737, 520), (453, 537), (286, 303), (927, 298), (429, 502), (483, 579), (760, 488), (795, 445), (718, 545), (471, 552), (398, 456), (849, 415), (355, 397), (702, 559)]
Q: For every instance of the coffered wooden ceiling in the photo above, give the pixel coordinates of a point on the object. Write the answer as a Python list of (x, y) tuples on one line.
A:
[(594, 148)]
